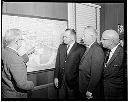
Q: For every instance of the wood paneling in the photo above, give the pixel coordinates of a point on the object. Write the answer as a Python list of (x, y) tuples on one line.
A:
[(42, 78), (111, 14), (42, 9), (43, 81), (41, 93), (114, 15), (32, 77)]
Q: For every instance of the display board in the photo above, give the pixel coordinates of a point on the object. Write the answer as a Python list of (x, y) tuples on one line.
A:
[(44, 34)]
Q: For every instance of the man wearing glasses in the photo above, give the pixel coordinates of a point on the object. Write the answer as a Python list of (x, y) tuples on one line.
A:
[(113, 70), (14, 72)]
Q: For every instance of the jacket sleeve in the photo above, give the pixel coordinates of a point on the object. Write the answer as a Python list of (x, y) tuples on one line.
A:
[(97, 61), (18, 70), (57, 64), (25, 57)]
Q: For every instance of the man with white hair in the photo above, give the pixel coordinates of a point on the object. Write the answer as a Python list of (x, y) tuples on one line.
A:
[(91, 67), (14, 72), (113, 70)]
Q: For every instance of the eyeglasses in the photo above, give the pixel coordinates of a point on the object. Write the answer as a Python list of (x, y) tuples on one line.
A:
[(105, 39), (20, 39)]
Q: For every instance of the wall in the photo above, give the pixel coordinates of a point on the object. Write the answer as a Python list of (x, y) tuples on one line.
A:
[(44, 82), (43, 9), (112, 14), (43, 79)]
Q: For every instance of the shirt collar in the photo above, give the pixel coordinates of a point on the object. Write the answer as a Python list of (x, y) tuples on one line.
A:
[(90, 45), (113, 50), (72, 44), (12, 48)]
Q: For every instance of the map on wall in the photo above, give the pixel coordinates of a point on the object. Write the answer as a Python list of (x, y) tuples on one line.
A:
[(43, 34)]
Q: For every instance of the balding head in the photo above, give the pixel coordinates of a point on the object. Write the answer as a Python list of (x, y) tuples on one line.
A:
[(91, 30), (112, 36), (11, 35), (89, 36)]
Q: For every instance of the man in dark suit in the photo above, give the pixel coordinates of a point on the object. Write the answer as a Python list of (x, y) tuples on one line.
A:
[(113, 70), (91, 67), (67, 66), (14, 73)]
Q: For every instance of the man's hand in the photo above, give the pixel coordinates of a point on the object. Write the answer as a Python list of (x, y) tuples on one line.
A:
[(89, 95), (56, 82), (30, 51)]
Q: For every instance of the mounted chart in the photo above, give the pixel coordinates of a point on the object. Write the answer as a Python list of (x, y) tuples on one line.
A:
[(44, 34)]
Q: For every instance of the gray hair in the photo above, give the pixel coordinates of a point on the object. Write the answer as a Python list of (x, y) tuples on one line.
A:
[(113, 35), (10, 36), (92, 29)]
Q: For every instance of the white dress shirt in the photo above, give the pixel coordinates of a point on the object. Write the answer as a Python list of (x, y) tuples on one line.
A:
[(12, 49), (70, 46), (88, 46), (112, 52)]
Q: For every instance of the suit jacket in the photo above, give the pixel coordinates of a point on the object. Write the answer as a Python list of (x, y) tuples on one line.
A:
[(68, 65), (14, 75), (113, 76), (90, 70), (25, 57)]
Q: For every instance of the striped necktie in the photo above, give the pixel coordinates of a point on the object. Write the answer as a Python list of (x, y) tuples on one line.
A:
[(107, 57), (87, 49)]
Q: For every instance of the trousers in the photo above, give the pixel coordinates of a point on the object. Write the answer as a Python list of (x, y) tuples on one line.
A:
[(65, 93)]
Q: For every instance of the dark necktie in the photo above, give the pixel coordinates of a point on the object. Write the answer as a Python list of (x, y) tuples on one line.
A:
[(107, 56), (68, 47), (87, 49)]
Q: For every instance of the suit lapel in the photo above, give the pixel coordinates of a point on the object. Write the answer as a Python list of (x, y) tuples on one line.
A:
[(72, 49), (9, 49), (114, 55), (86, 52)]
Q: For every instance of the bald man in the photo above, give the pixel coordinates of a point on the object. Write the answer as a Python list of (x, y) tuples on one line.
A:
[(113, 70), (14, 73), (91, 67)]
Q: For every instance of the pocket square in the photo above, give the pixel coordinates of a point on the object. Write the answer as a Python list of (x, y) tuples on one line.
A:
[(116, 65)]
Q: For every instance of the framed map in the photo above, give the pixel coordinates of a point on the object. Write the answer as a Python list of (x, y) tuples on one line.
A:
[(43, 33)]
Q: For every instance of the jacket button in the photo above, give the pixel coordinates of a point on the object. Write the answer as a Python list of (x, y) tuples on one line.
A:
[(64, 61)]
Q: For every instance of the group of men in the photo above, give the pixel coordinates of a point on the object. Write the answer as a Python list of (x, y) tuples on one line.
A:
[(82, 72)]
